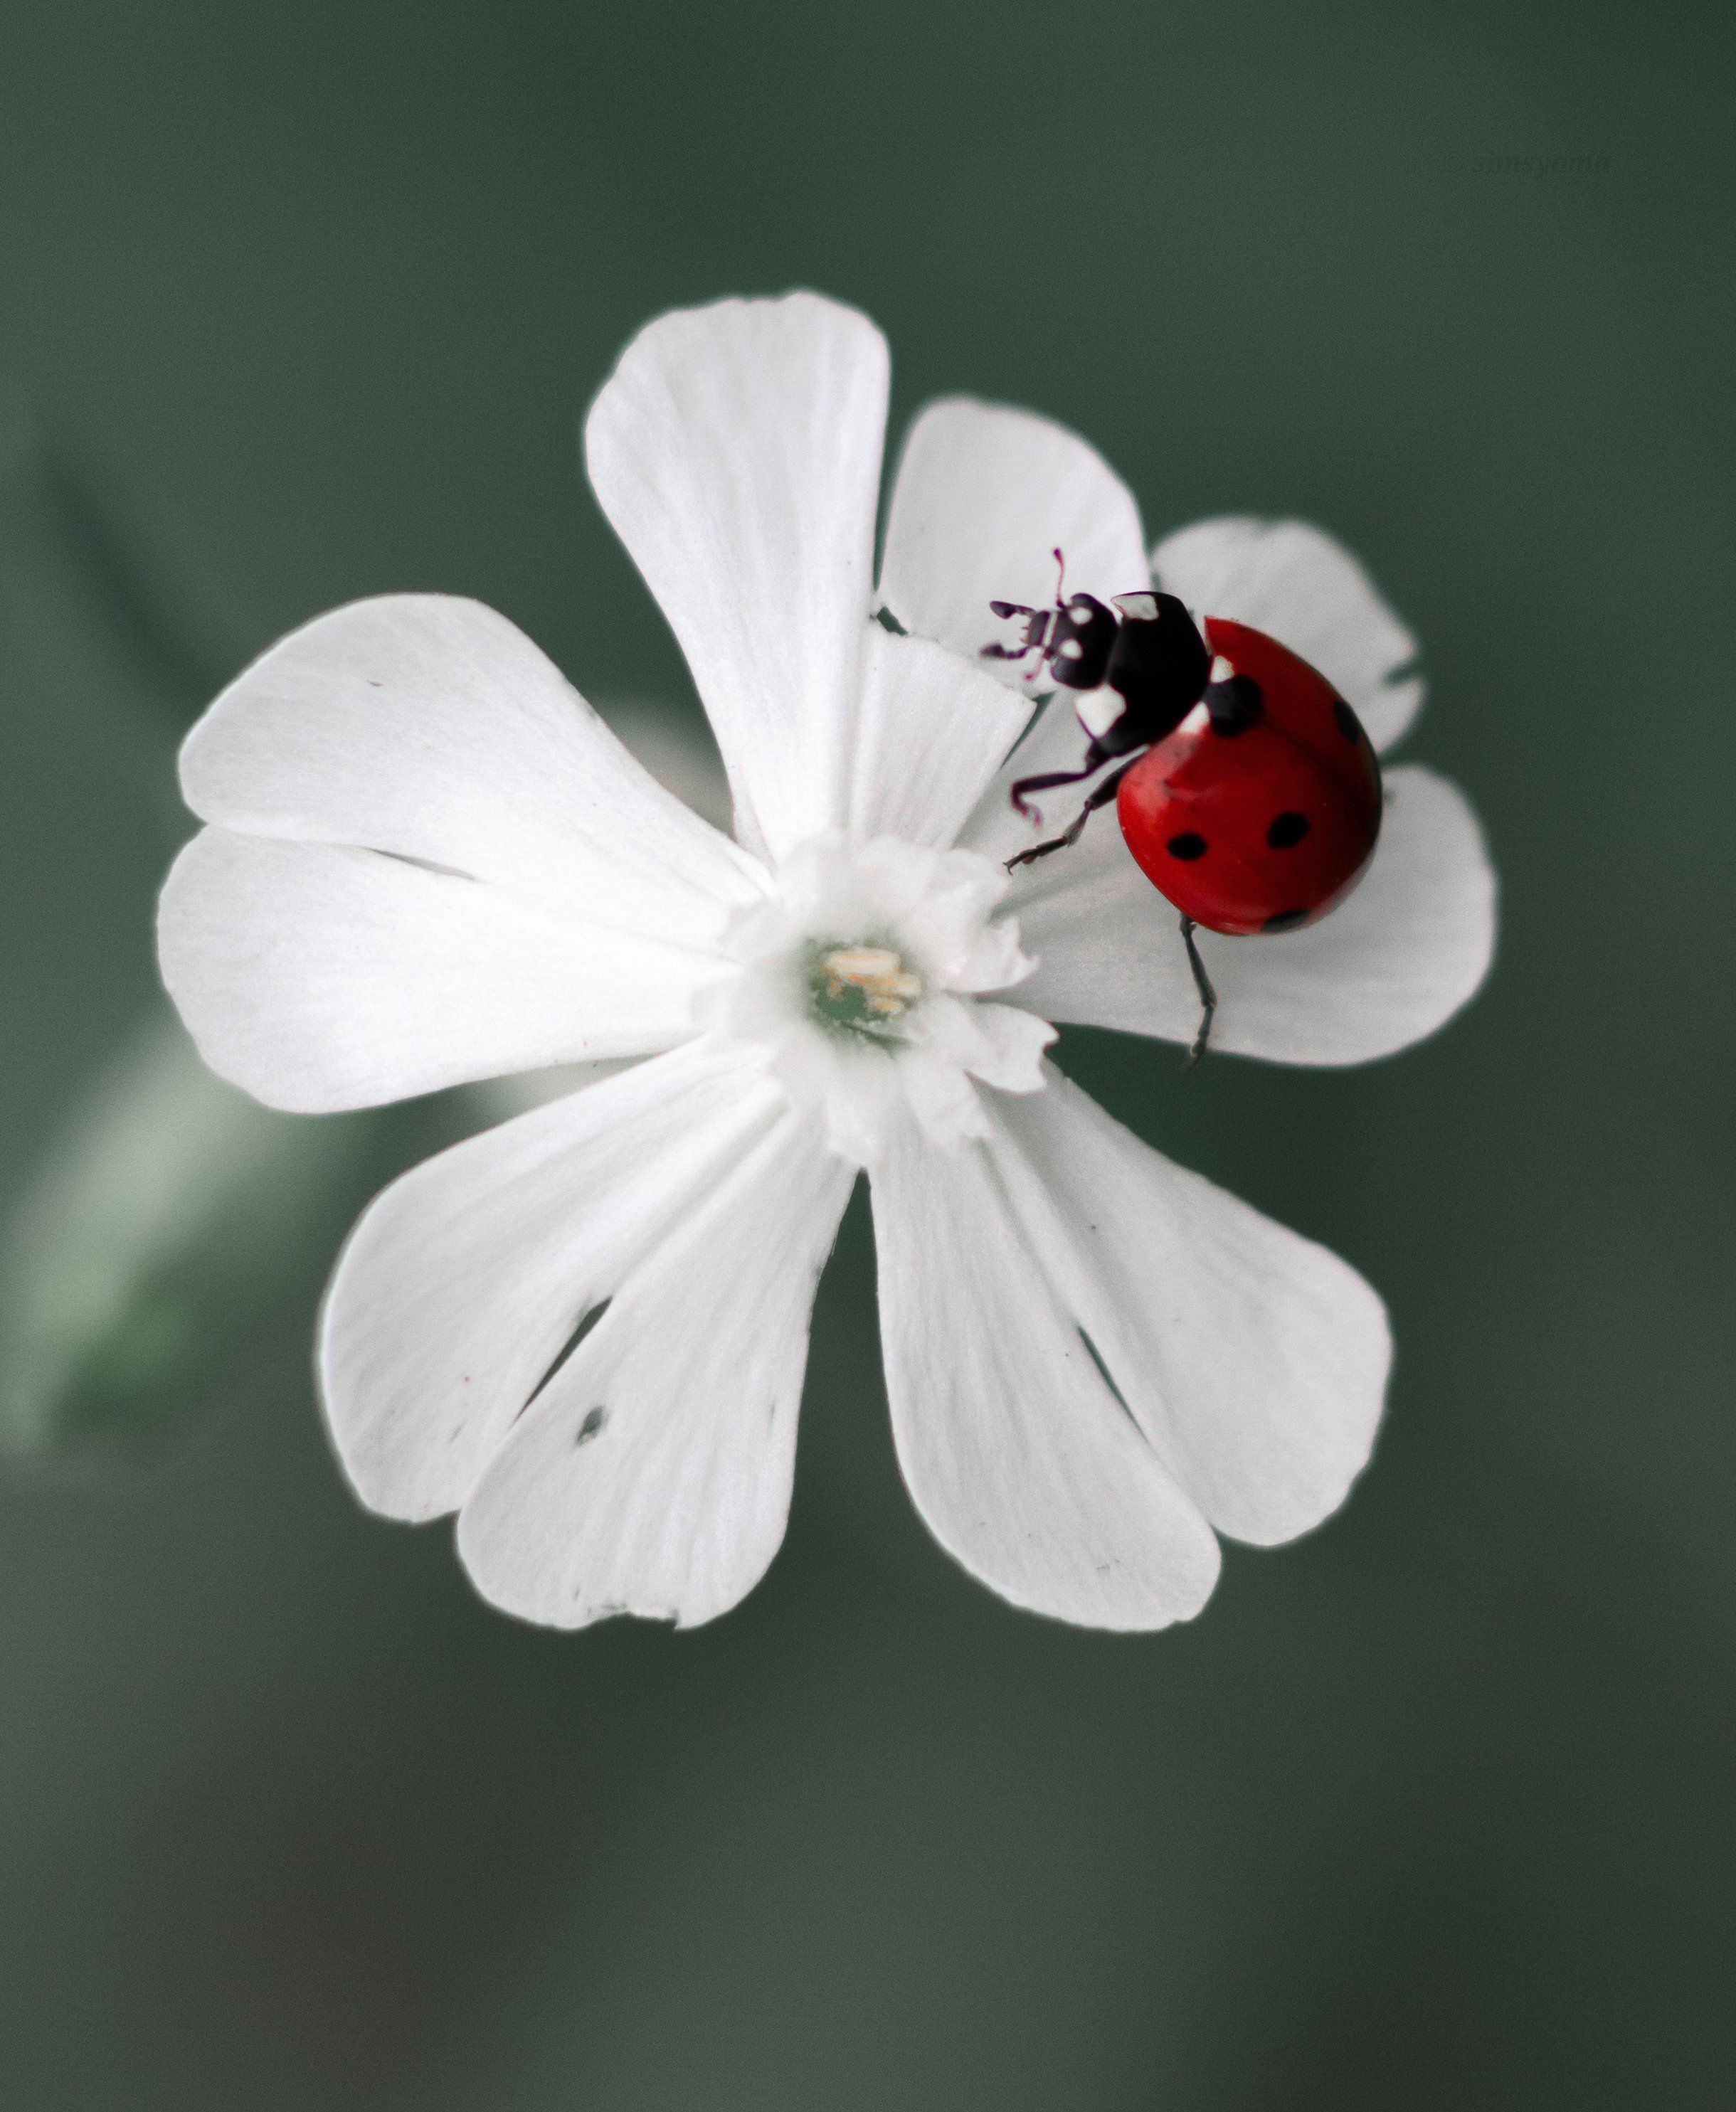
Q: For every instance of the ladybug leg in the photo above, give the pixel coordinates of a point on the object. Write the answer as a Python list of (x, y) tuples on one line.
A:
[(1100, 796), (1202, 983), (1061, 842), (1096, 756), (1026, 785)]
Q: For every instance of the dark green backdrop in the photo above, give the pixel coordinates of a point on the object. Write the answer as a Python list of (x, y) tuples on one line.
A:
[(1430, 1811)]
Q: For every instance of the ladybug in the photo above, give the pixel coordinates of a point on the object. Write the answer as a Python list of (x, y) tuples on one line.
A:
[(1246, 787)]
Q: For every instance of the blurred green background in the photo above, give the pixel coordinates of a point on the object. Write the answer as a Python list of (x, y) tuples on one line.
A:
[(300, 302)]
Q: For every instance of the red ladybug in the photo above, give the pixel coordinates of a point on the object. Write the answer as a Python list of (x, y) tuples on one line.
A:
[(1246, 789)]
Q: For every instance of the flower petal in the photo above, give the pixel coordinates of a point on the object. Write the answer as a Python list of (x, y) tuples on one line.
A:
[(998, 1043), (736, 450), (984, 496), (465, 1278), (932, 732), (1255, 1362), (1021, 1461), (1390, 965), (1054, 740), (1295, 582), (946, 924), (319, 977), (430, 727), (652, 1475)]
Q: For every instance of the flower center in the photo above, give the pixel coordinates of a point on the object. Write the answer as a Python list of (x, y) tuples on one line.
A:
[(860, 988), (870, 975)]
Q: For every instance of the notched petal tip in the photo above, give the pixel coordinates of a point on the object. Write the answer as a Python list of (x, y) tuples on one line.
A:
[(670, 1505), (1255, 1361), (1017, 1455)]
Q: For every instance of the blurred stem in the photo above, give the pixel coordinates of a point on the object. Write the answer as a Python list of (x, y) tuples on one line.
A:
[(95, 611)]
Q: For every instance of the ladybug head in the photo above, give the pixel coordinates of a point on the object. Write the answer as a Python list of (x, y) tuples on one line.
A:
[(1081, 639)]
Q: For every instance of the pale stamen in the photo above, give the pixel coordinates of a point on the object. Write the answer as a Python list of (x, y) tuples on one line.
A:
[(887, 987)]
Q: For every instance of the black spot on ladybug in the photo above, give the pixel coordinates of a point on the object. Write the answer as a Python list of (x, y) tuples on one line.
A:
[(1348, 723), (1186, 846), (1235, 705), (1285, 920), (1286, 831)]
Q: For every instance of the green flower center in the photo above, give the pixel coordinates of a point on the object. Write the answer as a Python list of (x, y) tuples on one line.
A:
[(863, 989)]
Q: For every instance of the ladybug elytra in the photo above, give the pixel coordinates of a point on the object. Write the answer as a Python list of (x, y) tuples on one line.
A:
[(1247, 791)]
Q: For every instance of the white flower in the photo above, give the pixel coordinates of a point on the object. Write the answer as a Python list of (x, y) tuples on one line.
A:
[(428, 861)]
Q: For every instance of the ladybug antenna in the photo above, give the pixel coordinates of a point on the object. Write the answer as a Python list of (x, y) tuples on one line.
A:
[(1037, 634), (1041, 660)]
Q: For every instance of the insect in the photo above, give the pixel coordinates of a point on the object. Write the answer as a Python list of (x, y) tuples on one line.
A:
[(1246, 787)]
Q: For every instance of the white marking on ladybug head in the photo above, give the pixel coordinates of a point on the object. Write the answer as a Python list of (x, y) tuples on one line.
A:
[(1196, 721), (1136, 608), (1221, 669), (1072, 650), (1097, 710)]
